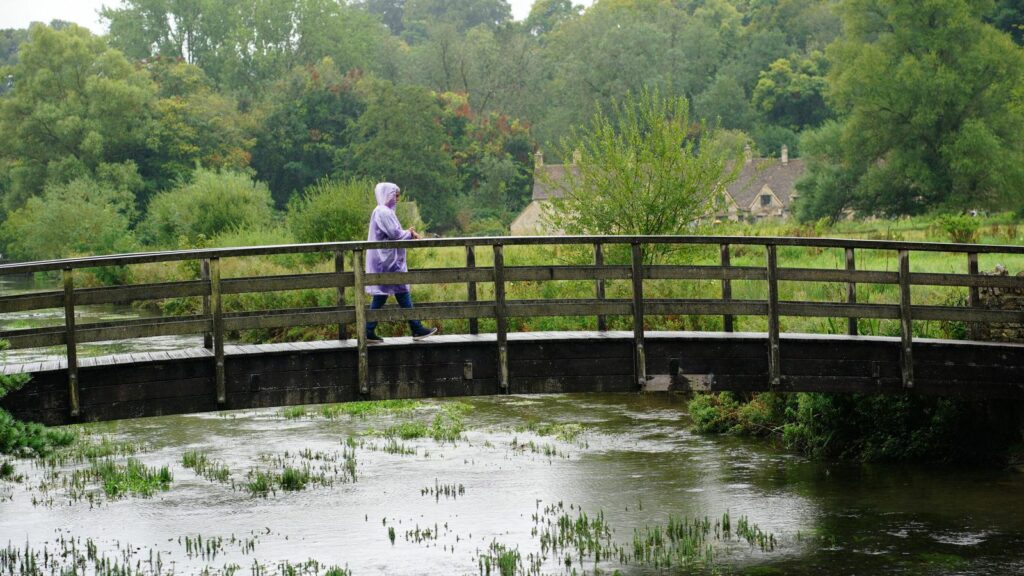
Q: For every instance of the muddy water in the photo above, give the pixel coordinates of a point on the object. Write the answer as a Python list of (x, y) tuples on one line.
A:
[(635, 463)]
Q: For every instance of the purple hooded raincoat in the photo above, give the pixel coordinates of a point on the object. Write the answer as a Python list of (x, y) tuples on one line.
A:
[(384, 225)]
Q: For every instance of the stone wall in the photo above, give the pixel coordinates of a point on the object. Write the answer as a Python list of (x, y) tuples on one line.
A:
[(1001, 299)]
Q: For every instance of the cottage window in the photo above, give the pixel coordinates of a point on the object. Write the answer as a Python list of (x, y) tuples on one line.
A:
[(766, 200)]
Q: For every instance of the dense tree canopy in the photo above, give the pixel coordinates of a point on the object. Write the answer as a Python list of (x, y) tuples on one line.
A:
[(940, 127), (903, 106)]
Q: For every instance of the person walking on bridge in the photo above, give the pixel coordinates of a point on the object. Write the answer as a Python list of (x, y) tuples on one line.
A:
[(384, 225)]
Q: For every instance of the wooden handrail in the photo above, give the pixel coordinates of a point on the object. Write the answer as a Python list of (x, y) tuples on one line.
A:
[(215, 321)]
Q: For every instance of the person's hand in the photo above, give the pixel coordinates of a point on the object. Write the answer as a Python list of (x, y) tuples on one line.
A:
[(415, 234)]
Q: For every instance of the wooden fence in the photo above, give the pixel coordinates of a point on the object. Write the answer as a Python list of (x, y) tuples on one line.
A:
[(214, 323)]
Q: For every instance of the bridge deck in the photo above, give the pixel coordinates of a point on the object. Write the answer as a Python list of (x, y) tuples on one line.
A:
[(172, 382)]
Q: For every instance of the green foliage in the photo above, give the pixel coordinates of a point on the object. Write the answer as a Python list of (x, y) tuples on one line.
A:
[(791, 93), (306, 125), (211, 204), (930, 100), (29, 439), (75, 106), (83, 217), (641, 171), (132, 477), (399, 139), (859, 427), (332, 211), (961, 228)]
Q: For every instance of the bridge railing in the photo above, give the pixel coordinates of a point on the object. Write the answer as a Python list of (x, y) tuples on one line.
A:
[(214, 323)]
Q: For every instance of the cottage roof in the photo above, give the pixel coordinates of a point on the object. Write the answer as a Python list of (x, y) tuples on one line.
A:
[(757, 173), (542, 187)]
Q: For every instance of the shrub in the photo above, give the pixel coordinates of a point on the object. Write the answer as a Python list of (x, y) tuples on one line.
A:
[(213, 203), (332, 211), (960, 228), (81, 217)]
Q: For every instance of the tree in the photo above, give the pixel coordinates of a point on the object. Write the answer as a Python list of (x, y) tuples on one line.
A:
[(930, 99), (642, 170), (1008, 16), (399, 139), (332, 211), (83, 217), (307, 121), (791, 92), (76, 106), (463, 14), (546, 15), (211, 204)]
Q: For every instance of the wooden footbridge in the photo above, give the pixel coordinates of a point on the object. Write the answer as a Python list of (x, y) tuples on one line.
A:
[(219, 375)]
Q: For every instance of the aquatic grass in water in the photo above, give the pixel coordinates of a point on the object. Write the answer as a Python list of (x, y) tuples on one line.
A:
[(293, 412), (370, 407), (213, 470), (132, 477)]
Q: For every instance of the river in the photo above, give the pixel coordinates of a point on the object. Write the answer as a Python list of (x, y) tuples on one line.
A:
[(517, 466)]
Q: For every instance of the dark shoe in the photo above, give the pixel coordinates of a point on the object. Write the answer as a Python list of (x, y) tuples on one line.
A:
[(424, 334), (374, 339)]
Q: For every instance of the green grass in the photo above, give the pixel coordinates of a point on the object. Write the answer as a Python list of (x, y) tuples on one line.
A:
[(370, 407), (132, 477)]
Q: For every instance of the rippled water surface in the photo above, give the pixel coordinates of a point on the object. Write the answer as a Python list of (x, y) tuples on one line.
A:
[(635, 463)]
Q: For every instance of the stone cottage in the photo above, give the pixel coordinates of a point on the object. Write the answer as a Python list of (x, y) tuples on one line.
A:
[(763, 189)]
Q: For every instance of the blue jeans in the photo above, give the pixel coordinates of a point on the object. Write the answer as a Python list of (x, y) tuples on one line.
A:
[(405, 301)]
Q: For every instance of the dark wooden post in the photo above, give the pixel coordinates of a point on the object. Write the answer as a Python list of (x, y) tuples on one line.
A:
[(217, 309), (204, 275), (499, 316), (602, 322), (70, 343), (906, 325), (474, 324), (639, 354), (851, 292), (973, 298), (339, 269), (774, 360), (726, 287), (360, 305)]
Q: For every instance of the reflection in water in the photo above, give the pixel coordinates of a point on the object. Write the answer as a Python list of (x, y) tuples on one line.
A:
[(636, 462)]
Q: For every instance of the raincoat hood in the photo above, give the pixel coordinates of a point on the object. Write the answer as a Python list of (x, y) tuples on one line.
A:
[(387, 194)]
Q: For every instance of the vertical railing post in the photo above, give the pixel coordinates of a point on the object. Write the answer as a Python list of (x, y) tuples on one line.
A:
[(851, 292), (602, 322), (359, 303), (339, 269), (973, 297), (474, 324), (774, 357), (500, 316), (217, 309), (639, 354), (70, 342), (906, 325), (727, 320), (204, 275)]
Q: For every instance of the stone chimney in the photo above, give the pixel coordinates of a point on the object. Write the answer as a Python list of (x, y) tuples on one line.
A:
[(538, 159), (576, 157), (785, 155), (748, 153)]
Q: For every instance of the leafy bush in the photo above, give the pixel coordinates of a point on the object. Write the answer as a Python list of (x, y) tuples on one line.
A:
[(861, 427), (82, 217), (960, 227), (332, 211), (213, 203)]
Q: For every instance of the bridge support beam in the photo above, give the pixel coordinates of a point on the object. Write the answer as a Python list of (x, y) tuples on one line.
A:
[(360, 304), (906, 324), (774, 357), (727, 320), (217, 309), (501, 331), (70, 342), (639, 354), (851, 291)]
